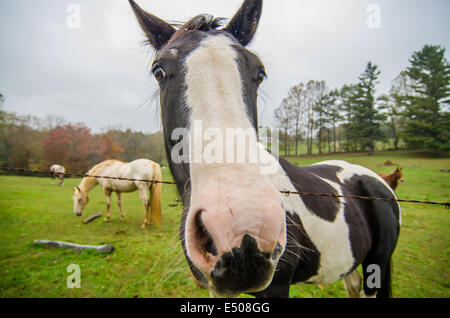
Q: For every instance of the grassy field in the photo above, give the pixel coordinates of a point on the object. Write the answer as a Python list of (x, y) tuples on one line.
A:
[(150, 263)]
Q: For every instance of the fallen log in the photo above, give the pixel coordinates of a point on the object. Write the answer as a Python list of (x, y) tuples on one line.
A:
[(92, 217), (107, 248)]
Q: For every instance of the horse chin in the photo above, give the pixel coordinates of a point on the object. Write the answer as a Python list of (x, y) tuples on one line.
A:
[(232, 286), (244, 269)]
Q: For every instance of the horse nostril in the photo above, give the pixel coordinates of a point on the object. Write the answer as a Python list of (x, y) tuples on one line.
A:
[(207, 243)]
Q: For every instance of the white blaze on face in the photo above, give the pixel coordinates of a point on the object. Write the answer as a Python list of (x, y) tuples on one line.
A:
[(214, 95), (235, 196), (214, 84)]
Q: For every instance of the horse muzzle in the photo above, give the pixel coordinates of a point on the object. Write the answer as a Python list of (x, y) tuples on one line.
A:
[(243, 269), (235, 237)]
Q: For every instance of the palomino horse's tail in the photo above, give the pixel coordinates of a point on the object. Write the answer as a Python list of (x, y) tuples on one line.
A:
[(155, 196)]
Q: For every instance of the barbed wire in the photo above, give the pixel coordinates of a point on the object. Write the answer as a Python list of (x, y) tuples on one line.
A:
[(334, 195), (285, 192), (83, 175)]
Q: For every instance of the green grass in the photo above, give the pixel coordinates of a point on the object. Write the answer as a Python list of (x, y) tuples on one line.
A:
[(303, 148), (150, 263)]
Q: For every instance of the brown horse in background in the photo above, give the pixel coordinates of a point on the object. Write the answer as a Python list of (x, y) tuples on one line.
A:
[(393, 178)]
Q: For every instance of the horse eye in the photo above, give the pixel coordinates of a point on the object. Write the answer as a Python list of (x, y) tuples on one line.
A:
[(159, 73), (261, 76)]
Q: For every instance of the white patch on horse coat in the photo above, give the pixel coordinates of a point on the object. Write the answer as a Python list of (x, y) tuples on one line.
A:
[(331, 239), (57, 169), (350, 170)]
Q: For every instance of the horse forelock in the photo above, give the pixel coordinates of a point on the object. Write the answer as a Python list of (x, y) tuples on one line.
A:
[(201, 22)]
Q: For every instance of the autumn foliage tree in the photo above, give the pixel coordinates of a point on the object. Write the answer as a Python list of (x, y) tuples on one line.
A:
[(108, 148), (71, 145)]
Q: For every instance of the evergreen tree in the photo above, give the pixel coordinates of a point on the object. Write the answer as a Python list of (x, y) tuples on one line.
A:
[(334, 114), (367, 119), (347, 98), (427, 111)]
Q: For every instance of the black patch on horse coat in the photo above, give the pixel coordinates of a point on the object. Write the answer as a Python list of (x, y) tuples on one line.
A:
[(383, 228), (382, 216), (308, 256), (354, 213), (249, 67), (305, 179), (324, 171)]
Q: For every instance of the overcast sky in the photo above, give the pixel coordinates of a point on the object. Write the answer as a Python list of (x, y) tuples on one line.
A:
[(98, 74)]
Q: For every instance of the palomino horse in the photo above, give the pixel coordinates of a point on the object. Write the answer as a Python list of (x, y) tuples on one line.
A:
[(141, 169), (240, 234), (393, 178), (58, 171)]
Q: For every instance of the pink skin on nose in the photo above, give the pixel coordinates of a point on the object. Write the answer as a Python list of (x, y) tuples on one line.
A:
[(230, 207)]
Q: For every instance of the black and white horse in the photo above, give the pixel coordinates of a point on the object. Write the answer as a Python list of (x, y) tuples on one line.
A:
[(238, 232)]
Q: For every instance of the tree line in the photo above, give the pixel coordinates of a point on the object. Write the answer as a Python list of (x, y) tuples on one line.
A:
[(354, 118), (32, 142)]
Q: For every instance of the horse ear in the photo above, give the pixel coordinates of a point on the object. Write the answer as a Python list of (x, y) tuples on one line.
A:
[(158, 32), (245, 22)]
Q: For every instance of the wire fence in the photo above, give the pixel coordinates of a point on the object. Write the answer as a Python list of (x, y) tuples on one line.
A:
[(285, 192)]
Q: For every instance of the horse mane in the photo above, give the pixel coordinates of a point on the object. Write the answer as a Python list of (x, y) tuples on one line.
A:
[(87, 183), (201, 22)]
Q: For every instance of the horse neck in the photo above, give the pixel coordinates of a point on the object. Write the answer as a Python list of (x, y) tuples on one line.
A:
[(394, 180), (87, 184)]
